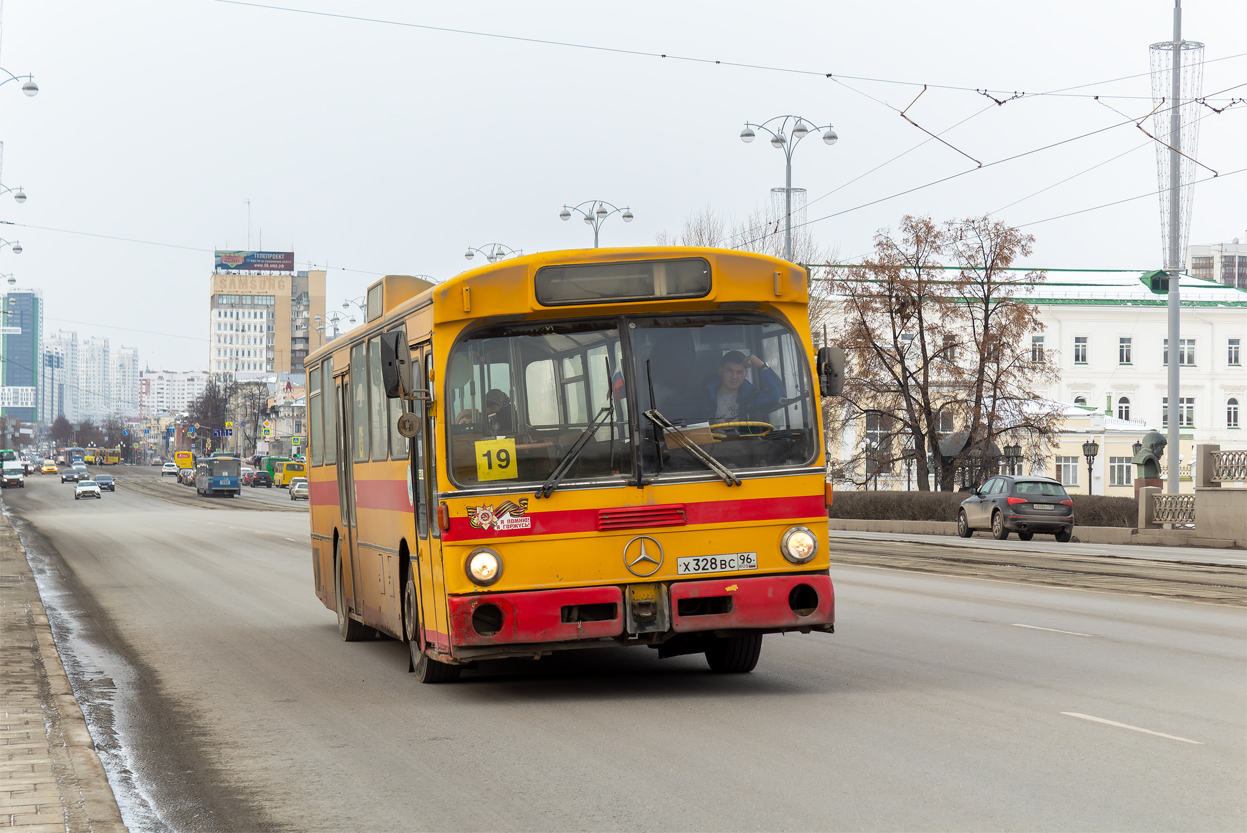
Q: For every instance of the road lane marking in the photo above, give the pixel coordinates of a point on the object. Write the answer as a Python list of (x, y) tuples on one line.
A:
[(1132, 728), (1050, 630), (291, 540)]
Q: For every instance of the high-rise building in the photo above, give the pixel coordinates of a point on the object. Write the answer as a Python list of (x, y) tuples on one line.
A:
[(260, 322), (23, 355), (60, 373), (169, 392), (95, 373), (126, 382), (1221, 262)]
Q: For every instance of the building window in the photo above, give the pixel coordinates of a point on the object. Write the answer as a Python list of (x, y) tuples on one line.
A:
[(1119, 471), (1186, 352), (1201, 267), (1231, 413), (1080, 349), (1232, 355), (1125, 350), (1186, 412), (1080, 400), (1037, 349), (1123, 407), (1067, 470), (1228, 268)]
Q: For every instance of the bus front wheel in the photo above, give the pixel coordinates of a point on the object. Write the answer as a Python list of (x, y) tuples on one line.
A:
[(733, 654), (351, 630), (427, 669)]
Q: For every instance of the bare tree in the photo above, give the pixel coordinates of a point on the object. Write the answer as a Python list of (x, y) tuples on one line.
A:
[(931, 347)]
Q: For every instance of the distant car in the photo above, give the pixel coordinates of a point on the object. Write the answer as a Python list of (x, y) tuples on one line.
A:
[(70, 475), (298, 489), (261, 478), (48, 467), (186, 477), (1013, 503), (28, 467), (156, 461), (169, 468), (106, 482), (87, 488), (245, 475)]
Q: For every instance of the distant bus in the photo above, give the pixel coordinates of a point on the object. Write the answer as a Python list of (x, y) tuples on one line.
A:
[(184, 459), (91, 457), (273, 466), (218, 476), (287, 471), (110, 457), (7, 454), (75, 455)]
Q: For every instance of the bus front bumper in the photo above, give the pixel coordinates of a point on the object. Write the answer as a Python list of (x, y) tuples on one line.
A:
[(573, 615)]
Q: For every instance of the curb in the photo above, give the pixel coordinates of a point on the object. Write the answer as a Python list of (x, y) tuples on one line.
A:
[(51, 777)]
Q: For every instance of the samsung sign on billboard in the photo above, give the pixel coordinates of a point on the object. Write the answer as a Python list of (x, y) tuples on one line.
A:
[(255, 261)]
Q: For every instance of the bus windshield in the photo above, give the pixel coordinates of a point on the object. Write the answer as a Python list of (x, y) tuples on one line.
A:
[(735, 386)]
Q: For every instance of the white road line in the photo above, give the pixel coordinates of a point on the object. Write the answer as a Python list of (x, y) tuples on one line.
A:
[(1133, 728), (1050, 630), (290, 539)]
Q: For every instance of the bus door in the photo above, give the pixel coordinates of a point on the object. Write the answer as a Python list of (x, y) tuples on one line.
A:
[(430, 576), (346, 492)]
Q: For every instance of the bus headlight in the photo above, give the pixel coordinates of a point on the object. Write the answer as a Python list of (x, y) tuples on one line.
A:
[(799, 545), (484, 566)]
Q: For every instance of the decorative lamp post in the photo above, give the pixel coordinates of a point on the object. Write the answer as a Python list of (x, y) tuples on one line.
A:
[(597, 213), (19, 195), (334, 318), (1137, 447), (359, 302), (1013, 454), (15, 245), (1089, 450), (493, 252), (787, 139)]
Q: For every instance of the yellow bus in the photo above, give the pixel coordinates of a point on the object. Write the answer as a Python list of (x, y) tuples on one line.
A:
[(590, 448), (286, 471)]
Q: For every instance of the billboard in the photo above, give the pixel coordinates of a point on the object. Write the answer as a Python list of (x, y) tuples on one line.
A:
[(254, 261)]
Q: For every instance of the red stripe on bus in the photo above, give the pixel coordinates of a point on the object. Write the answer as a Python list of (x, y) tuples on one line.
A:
[(585, 520), (382, 494), (323, 493)]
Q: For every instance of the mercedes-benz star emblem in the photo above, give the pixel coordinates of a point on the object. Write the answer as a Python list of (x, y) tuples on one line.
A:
[(643, 556)]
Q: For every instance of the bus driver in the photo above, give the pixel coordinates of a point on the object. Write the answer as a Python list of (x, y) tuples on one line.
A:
[(734, 398)]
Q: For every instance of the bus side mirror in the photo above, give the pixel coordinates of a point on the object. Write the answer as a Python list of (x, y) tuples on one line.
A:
[(830, 371), (395, 360)]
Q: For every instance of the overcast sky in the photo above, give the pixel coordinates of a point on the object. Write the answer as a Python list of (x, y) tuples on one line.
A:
[(376, 147)]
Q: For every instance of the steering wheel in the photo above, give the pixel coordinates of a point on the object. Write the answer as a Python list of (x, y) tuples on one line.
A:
[(739, 425)]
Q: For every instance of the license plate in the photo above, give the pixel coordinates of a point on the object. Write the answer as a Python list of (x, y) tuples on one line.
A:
[(1043, 506), (733, 562)]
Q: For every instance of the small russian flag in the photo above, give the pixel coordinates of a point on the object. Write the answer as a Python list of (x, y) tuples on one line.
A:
[(617, 386)]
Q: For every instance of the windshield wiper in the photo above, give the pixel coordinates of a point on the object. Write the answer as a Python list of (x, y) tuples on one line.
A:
[(670, 431), (565, 464)]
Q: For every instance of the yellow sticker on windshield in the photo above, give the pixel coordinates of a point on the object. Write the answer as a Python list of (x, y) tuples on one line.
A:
[(495, 459)]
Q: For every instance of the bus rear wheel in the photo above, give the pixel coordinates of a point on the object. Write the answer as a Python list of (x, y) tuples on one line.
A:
[(427, 669), (733, 654), (351, 630)]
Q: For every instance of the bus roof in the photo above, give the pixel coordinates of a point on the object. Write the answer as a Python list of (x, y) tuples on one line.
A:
[(402, 294)]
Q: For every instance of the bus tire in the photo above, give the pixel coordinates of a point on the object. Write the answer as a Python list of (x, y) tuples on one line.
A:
[(427, 670), (350, 630), (733, 654)]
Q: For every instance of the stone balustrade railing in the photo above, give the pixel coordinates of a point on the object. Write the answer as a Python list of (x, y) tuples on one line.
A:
[(1229, 466), (1174, 509)]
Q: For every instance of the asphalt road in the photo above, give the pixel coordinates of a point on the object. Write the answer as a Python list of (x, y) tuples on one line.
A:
[(223, 699)]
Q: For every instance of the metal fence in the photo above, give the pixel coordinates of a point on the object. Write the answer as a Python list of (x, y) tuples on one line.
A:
[(1229, 466), (1174, 509)]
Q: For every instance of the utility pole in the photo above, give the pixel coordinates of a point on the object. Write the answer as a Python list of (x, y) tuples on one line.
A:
[(1175, 250)]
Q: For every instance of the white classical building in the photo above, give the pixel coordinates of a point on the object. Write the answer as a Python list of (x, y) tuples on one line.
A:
[(1108, 333)]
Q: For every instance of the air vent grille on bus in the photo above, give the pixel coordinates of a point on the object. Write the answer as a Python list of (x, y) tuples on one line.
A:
[(635, 517)]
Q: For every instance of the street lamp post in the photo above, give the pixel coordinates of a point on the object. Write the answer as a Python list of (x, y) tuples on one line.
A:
[(333, 318), (787, 140), (493, 252), (15, 245), (597, 213), (1013, 456), (1089, 450)]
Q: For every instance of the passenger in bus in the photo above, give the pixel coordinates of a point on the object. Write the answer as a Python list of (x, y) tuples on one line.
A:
[(734, 398), (499, 413), (469, 416)]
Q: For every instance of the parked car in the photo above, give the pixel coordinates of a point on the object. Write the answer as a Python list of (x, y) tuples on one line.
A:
[(298, 488), (106, 482), (87, 488), (169, 468), (261, 478), (1013, 503)]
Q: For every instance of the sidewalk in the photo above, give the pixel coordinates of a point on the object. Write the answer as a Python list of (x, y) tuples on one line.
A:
[(51, 778)]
